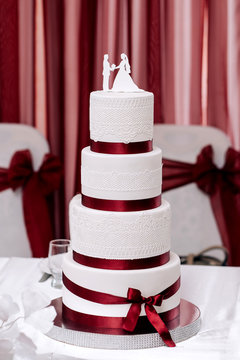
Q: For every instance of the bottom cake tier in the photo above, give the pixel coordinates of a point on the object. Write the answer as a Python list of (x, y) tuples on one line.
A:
[(98, 300)]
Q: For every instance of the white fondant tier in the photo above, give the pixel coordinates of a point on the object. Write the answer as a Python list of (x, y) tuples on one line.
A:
[(121, 117), (116, 282), (120, 235), (121, 177)]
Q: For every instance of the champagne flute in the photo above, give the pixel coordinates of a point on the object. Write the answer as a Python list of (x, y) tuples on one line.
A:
[(57, 249)]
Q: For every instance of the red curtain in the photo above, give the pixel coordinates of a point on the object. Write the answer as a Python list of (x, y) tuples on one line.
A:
[(186, 52), (9, 72), (224, 67)]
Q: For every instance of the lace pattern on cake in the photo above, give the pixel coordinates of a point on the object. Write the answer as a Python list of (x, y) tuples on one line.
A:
[(121, 102), (121, 181), (122, 120), (119, 238), (103, 131)]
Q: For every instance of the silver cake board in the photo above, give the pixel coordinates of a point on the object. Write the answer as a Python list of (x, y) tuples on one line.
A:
[(189, 326)]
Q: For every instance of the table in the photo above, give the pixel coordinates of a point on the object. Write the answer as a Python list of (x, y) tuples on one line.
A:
[(215, 290)]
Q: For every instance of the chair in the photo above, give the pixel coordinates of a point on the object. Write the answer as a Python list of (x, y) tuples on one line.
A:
[(193, 224), (13, 239)]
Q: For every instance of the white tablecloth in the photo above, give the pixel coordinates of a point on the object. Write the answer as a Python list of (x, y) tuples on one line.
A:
[(215, 290)]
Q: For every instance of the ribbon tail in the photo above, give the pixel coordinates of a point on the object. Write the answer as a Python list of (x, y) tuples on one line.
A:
[(159, 325), (226, 208), (37, 218), (130, 321), (4, 183)]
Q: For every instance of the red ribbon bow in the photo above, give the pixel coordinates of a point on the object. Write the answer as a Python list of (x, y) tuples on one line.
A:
[(223, 187), (210, 178), (36, 186), (134, 296)]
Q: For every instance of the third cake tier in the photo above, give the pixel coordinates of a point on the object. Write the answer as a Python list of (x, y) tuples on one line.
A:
[(120, 235)]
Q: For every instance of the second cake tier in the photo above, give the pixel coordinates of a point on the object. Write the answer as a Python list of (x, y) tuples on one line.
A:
[(121, 177)]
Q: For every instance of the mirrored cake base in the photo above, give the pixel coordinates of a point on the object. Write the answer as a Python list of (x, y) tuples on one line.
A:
[(189, 326)]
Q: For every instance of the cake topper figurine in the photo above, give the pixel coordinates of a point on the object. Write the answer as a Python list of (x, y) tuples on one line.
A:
[(123, 81), (106, 72)]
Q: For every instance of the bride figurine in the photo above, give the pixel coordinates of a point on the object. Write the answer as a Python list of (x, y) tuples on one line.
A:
[(123, 81)]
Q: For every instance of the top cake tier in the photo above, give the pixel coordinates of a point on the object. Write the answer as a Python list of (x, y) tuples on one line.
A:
[(121, 117)]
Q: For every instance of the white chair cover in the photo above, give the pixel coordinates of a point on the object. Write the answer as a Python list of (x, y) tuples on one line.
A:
[(193, 223), (13, 137)]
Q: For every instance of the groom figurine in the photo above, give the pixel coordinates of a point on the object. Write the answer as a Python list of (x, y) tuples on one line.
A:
[(106, 72)]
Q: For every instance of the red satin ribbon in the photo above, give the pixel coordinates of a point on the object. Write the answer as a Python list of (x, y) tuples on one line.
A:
[(114, 325), (116, 264), (222, 186), (35, 186), (121, 148), (136, 300), (121, 205)]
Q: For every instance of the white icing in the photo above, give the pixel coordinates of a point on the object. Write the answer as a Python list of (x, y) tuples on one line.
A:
[(116, 282), (121, 117), (120, 235), (121, 177)]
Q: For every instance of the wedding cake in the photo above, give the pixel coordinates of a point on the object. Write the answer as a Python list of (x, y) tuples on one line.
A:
[(121, 278)]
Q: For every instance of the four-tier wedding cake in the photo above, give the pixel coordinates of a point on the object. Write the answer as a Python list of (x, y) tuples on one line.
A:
[(121, 278)]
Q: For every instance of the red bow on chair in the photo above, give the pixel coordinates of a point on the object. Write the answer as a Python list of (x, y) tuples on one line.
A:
[(223, 187), (36, 186)]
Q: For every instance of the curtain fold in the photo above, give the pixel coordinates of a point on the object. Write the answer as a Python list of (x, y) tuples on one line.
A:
[(224, 67), (26, 65), (54, 49), (9, 71), (71, 98), (183, 61)]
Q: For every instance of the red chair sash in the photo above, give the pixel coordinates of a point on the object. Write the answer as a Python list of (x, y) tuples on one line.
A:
[(222, 186), (35, 186)]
